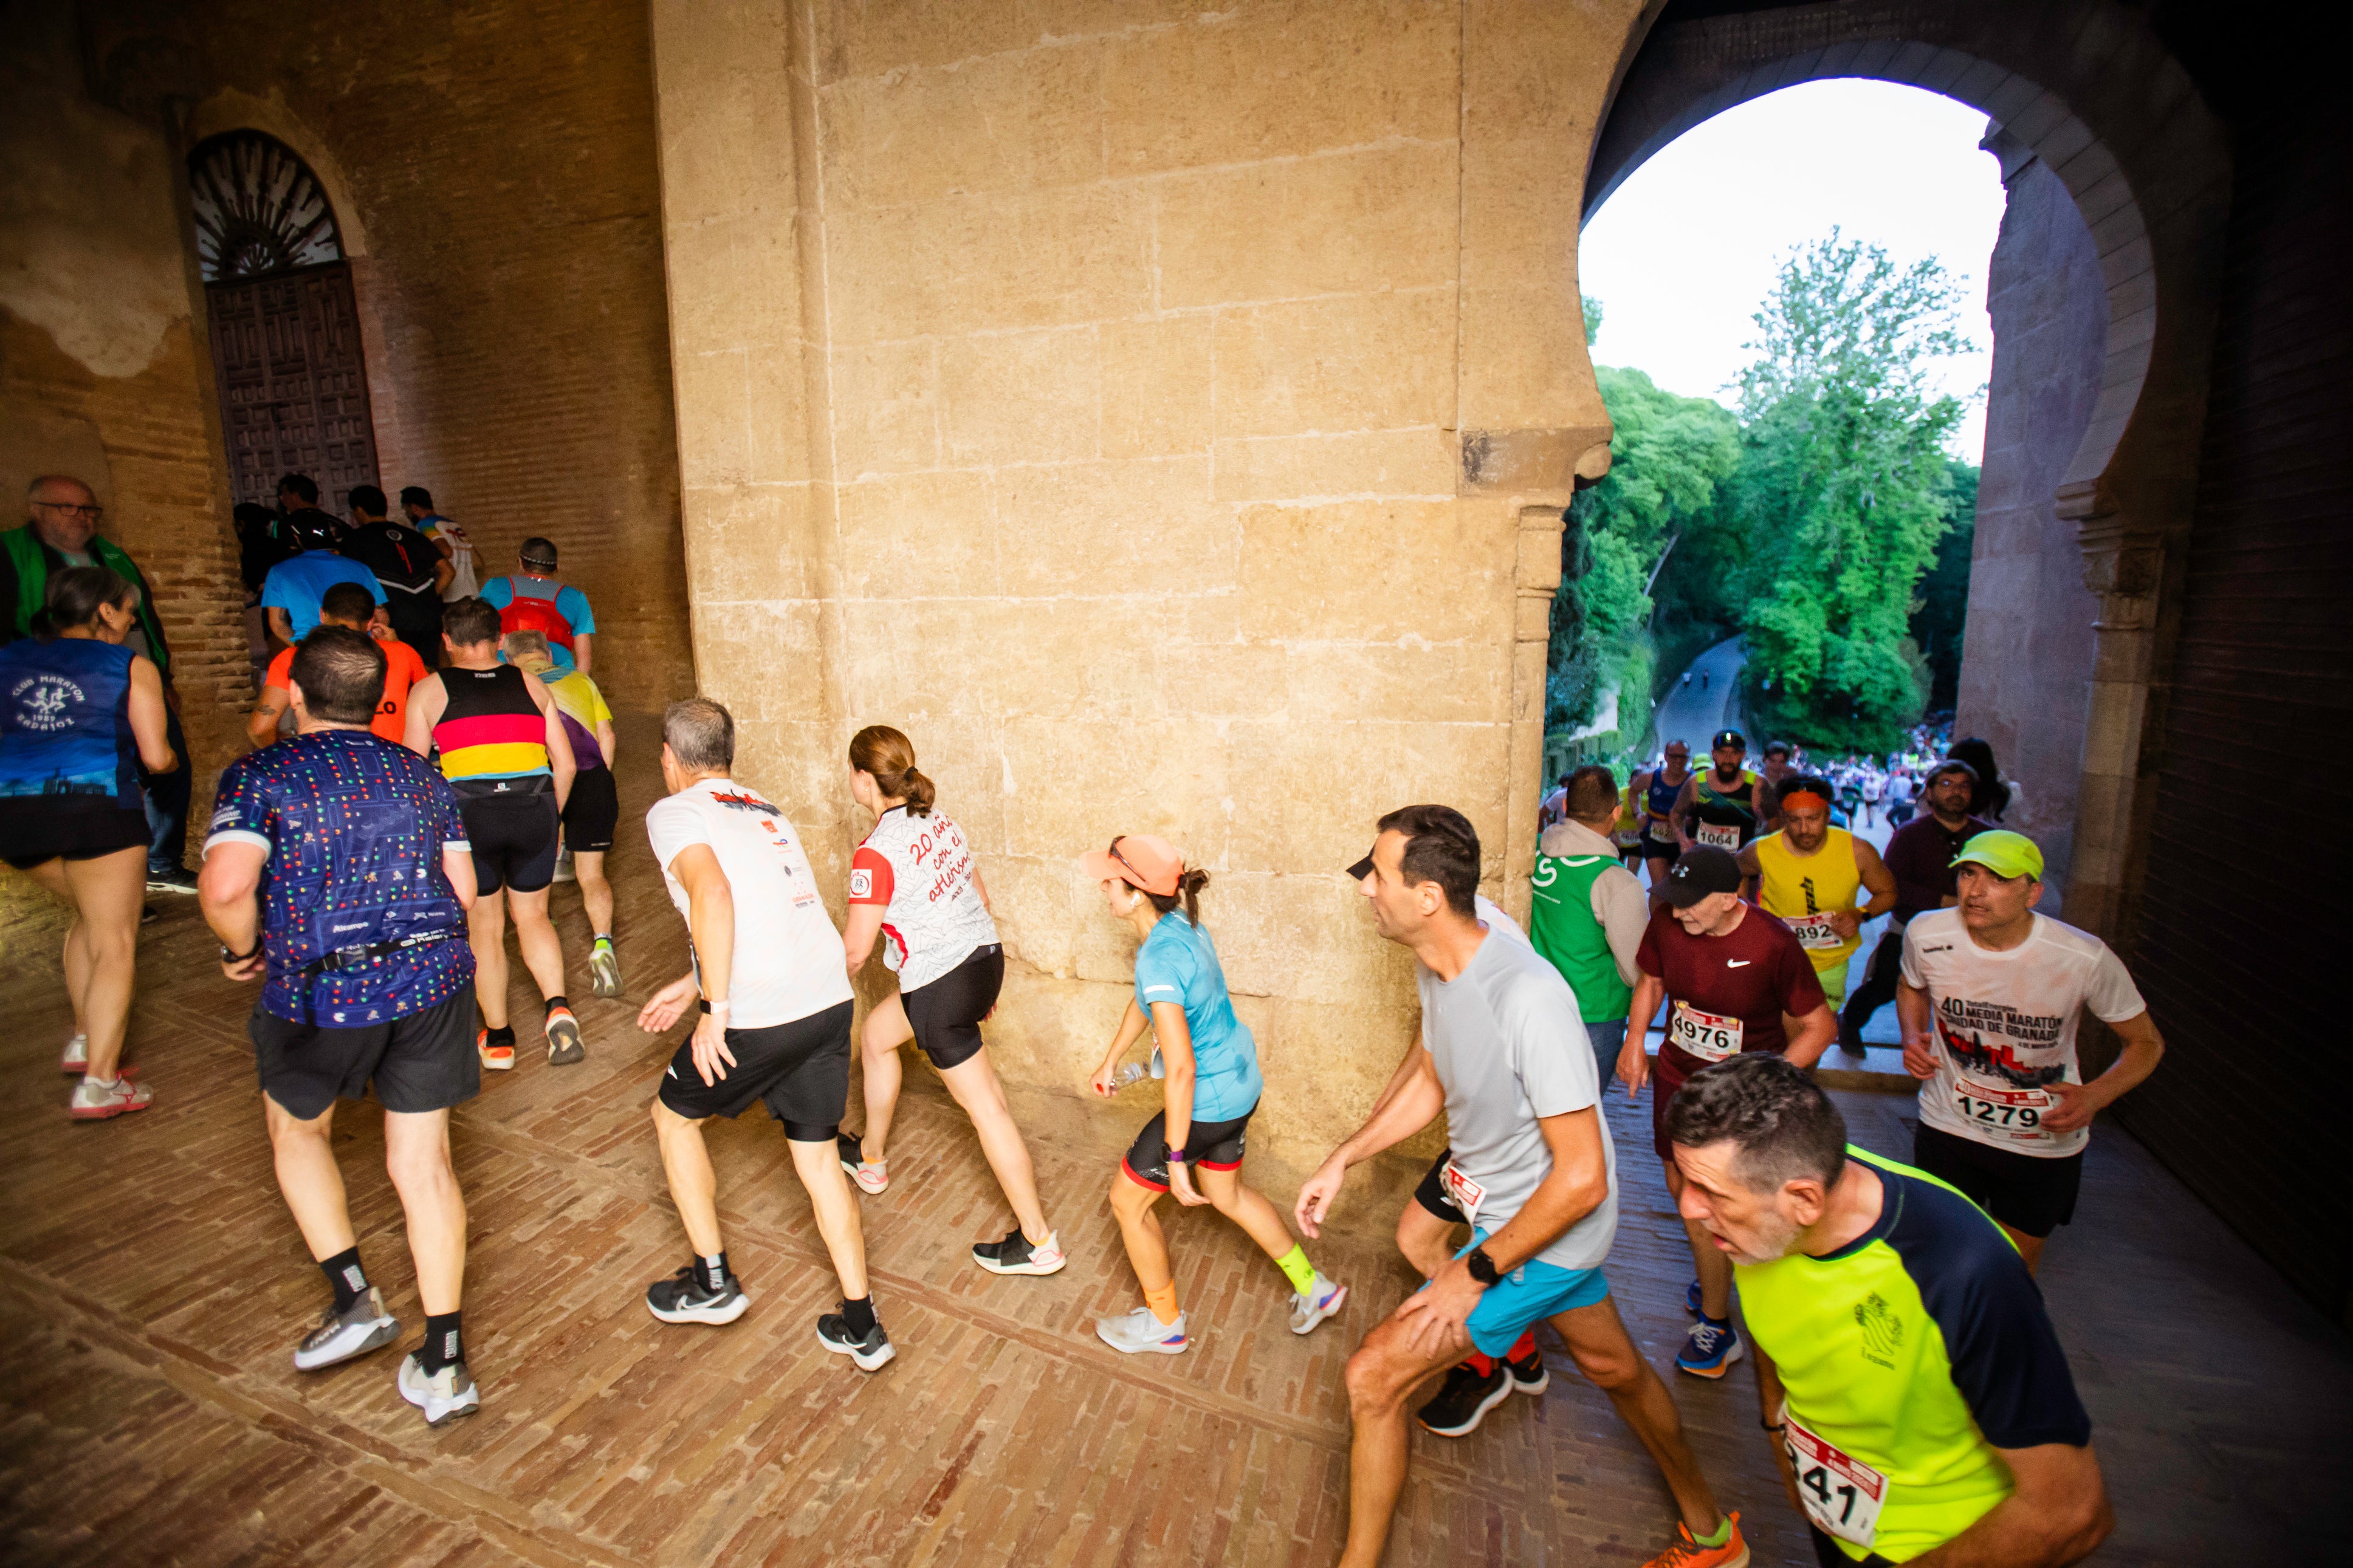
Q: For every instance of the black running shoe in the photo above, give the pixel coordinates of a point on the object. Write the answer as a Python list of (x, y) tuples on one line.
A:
[(870, 1354), (1017, 1255), (683, 1298), (1464, 1399), (1528, 1374)]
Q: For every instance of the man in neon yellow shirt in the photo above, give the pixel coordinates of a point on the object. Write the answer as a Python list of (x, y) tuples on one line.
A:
[(1919, 1403)]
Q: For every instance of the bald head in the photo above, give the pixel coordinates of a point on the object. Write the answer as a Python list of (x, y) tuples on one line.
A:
[(64, 511)]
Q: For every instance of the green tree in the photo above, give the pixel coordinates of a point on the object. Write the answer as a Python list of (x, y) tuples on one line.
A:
[(1943, 606), (1842, 490)]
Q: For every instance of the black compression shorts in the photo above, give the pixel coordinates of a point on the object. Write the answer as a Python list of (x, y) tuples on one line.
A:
[(947, 1014), (514, 839), (2033, 1195), (591, 812), (1212, 1146), (801, 1069), (34, 829), (423, 1061), (1653, 849)]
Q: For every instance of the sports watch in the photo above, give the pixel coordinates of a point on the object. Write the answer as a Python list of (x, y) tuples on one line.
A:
[(1482, 1267)]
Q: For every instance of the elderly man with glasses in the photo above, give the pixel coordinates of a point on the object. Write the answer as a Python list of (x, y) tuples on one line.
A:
[(61, 530)]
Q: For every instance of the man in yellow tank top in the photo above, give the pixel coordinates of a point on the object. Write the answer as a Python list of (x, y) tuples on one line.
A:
[(1807, 874)]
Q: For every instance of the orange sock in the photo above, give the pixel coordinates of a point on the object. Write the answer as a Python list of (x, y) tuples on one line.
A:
[(1163, 1303)]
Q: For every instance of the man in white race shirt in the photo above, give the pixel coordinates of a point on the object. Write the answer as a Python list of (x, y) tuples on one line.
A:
[(1990, 1002), (775, 1025)]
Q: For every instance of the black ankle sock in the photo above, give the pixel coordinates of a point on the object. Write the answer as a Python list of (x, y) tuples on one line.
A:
[(555, 1002), (861, 1314), (344, 1273), (443, 1343), (501, 1036), (710, 1272)]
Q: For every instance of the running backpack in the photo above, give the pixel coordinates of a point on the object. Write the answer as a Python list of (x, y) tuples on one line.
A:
[(530, 611)]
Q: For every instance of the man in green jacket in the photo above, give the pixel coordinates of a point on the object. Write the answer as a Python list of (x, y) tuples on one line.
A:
[(61, 530)]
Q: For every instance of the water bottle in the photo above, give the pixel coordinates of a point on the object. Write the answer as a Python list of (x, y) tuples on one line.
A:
[(1134, 1072)]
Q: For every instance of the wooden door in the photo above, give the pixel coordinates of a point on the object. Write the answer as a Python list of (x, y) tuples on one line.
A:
[(293, 386)]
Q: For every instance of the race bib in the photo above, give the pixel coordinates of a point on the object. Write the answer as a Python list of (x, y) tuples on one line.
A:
[(1841, 1494), (2000, 1110), (1813, 931), (1707, 1036), (1462, 1191), (1721, 834)]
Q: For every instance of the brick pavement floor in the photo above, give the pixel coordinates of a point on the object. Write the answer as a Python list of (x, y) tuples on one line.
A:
[(152, 1287)]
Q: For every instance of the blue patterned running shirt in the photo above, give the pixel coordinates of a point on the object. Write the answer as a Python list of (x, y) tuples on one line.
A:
[(354, 827)]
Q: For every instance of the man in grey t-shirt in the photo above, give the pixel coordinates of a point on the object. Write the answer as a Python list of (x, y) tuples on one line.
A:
[(1532, 1168)]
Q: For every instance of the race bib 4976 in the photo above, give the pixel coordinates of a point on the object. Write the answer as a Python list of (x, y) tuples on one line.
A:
[(1710, 1036)]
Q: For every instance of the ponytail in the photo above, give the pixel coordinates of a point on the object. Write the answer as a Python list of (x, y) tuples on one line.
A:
[(74, 597), (1190, 883), (890, 757)]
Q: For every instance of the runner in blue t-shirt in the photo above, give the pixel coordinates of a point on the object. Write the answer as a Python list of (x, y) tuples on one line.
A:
[(338, 868), (1210, 1065), (291, 593)]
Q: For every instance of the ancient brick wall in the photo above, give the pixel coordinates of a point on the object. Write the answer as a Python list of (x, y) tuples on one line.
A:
[(493, 165)]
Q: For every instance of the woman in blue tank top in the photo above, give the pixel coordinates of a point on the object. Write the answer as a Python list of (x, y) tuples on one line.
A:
[(79, 713)]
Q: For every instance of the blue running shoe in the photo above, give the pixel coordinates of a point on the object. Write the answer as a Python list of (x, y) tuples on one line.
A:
[(1691, 1299), (1710, 1349)]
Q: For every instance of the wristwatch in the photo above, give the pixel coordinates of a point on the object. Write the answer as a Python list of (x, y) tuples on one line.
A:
[(1482, 1267), (228, 957), (1177, 1156)]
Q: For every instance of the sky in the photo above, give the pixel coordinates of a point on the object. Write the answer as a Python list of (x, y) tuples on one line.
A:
[(1681, 254)]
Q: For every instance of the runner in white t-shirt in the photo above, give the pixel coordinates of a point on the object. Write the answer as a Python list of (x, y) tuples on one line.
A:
[(914, 884), (1990, 999), (774, 1027)]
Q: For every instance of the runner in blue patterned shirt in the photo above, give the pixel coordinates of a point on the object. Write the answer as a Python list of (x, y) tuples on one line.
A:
[(337, 870)]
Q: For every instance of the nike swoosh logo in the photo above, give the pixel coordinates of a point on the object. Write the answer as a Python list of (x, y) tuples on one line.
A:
[(1737, 962)]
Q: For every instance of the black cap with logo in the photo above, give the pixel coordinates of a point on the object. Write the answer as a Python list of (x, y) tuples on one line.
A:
[(1699, 872)]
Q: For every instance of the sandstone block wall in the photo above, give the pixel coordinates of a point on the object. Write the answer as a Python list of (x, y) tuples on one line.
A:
[(1086, 390)]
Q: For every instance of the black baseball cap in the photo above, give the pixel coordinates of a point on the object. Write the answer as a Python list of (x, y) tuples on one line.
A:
[(1362, 869), (1729, 738), (1699, 872)]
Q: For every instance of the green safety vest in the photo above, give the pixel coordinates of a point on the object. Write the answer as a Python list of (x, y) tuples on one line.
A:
[(31, 561), (1562, 927)]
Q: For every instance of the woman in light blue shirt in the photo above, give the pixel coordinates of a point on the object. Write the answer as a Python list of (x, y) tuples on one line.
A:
[(1211, 1085)]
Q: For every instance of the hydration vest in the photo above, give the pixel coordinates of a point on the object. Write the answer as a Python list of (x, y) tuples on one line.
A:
[(533, 609)]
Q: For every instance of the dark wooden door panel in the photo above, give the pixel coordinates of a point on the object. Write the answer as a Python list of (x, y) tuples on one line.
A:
[(293, 382)]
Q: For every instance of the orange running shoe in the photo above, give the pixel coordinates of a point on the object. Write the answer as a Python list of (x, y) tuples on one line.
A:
[(1686, 1553), (497, 1058)]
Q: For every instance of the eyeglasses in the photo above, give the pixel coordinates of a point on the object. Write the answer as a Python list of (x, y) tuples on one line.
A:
[(91, 512)]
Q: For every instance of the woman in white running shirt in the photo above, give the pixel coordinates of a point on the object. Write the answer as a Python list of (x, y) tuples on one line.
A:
[(913, 883)]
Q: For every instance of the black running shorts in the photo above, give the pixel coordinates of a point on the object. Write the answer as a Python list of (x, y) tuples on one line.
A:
[(591, 812), (34, 829), (1653, 849), (1211, 1146), (800, 1070), (421, 1062), (2032, 1196), (1431, 1193), (513, 837), (947, 1014)]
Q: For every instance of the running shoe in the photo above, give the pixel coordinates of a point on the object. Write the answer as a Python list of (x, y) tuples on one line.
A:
[(444, 1395), (870, 1354), (1463, 1400), (94, 1101), (497, 1058), (1017, 1254), (354, 1332), (564, 872), (873, 1177), (1528, 1374), (604, 970), (1317, 1302), (683, 1299), (1691, 1298), (563, 1047), (1141, 1333), (1710, 1349), (172, 879), (1686, 1553), (77, 1058)]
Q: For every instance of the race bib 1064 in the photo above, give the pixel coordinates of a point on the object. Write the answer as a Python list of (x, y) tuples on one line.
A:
[(1813, 931), (1721, 834), (1841, 1494), (1710, 1036)]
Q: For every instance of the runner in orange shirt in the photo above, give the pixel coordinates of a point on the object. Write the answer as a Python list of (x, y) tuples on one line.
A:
[(343, 605)]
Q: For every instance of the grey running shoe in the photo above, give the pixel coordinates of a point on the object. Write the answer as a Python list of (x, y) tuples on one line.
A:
[(1017, 1255), (681, 1298), (340, 1336), (1141, 1333), (564, 872), (1317, 1302), (443, 1396), (604, 970), (77, 1058), (563, 1047), (871, 1353)]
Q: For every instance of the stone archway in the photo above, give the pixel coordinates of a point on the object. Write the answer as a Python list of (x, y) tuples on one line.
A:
[(2089, 89)]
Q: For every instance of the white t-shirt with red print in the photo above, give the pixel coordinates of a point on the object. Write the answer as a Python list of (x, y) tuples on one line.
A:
[(919, 869)]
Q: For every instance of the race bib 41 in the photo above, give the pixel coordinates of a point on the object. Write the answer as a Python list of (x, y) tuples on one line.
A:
[(1841, 1494)]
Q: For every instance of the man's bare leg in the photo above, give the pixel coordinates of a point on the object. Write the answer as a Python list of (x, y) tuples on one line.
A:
[(1605, 1353), (1381, 1374), (417, 1156)]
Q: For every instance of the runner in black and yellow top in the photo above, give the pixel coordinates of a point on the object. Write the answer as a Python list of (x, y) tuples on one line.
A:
[(1718, 807), (1806, 876), (1918, 1401)]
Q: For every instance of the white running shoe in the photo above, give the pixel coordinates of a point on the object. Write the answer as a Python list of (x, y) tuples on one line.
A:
[(94, 1101), (77, 1058), (444, 1396), (1320, 1300), (1141, 1333), (1016, 1254), (340, 1336)]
